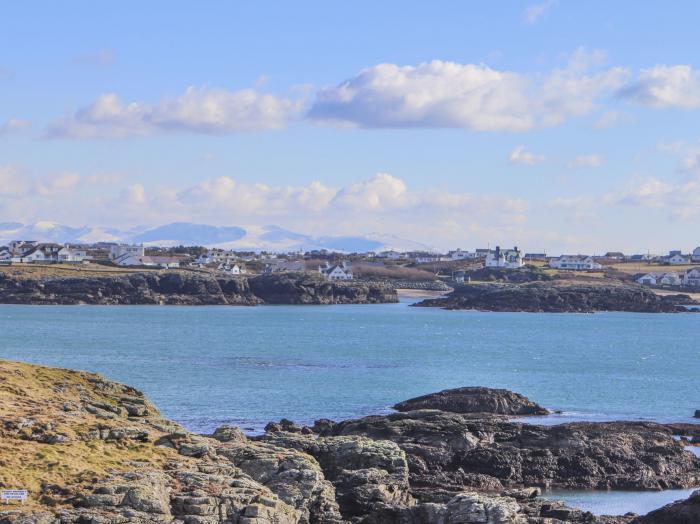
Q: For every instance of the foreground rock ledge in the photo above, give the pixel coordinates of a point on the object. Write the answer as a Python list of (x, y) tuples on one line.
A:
[(94, 451)]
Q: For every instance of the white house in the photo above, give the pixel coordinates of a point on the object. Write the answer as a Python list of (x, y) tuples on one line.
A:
[(391, 255), (120, 250), (695, 257), (233, 269), (574, 262), (427, 259), (458, 254), (150, 261), (692, 277), (5, 255), (678, 259), (71, 254), (506, 258), (336, 272), (647, 280), (669, 279)]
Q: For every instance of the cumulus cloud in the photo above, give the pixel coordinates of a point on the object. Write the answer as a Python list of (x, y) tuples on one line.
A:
[(470, 96), (666, 86), (13, 124), (533, 13), (520, 156), (585, 161), (209, 111)]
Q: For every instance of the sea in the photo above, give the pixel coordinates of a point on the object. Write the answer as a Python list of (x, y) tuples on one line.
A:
[(207, 366)]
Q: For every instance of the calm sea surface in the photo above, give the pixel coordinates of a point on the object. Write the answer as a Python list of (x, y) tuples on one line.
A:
[(206, 366)]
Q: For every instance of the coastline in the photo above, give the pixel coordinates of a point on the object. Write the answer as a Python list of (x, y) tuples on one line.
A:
[(129, 444)]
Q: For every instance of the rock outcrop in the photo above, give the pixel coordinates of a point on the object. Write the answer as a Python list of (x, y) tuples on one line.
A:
[(557, 297), (681, 512), (189, 288), (474, 400), (91, 451)]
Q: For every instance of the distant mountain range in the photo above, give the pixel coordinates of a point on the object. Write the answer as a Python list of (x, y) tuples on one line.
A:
[(245, 238)]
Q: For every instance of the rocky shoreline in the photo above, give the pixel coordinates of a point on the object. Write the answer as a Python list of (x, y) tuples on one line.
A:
[(94, 451), (189, 288), (559, 297)]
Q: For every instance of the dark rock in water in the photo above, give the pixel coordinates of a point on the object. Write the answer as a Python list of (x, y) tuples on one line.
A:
[(697, 413), (681, 512), (474, 400), (442, 446), (557, 297)]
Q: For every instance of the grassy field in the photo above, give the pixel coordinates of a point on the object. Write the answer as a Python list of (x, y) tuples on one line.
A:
[(68, 270)]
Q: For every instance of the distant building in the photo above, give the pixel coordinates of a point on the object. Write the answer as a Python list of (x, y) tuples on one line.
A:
[(391, 255), (458, 254), (669, 279), (695, 257), (20, 247), (649, 279), (575, 263), (506, 258), (676, 259), (119, 250), (341, 271), (615, 255), (234, 269), (149, 261), (692, 277)]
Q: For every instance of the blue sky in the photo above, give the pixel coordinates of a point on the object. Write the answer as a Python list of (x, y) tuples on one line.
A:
[(553, 125)]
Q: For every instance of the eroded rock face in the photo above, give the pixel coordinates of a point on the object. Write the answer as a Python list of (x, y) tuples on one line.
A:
[(190, 288), (557, 297), (443, 449), (474, 400)]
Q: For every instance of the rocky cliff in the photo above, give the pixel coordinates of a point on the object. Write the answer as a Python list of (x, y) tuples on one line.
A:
[(558, 297), (91, 451), (188, 288)]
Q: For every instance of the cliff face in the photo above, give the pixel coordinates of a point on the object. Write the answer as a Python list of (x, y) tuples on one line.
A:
[(557, 297), (188, 288)]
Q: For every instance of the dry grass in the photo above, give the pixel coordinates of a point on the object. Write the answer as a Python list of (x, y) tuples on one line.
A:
[(35, 396)]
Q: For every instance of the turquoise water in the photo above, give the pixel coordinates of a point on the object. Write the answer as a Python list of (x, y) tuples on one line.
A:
[(619, 502), (206, 366)]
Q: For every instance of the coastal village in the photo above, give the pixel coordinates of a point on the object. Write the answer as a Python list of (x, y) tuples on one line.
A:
[(677, 269)]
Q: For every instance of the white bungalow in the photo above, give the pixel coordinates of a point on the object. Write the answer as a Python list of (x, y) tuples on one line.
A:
[(5, 255), (70, 254), (575, 263), (692, 277), (695, 257), (336, 272), (506, 258), (678, 259), (669, 279), (647, 280), (119, 250), (458, 254)]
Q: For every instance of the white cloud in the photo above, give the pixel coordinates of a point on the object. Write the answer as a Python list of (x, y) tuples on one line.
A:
[(477, 97), (57, 183), (586, 161), (520, 156), (13, 124), (535, 11), (666, 86), (611, 118), (209, 111)]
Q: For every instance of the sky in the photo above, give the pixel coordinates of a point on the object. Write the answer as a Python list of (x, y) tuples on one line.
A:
[(553, 125)]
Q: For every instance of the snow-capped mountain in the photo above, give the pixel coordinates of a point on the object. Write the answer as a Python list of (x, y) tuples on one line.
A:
[(252, 238)]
